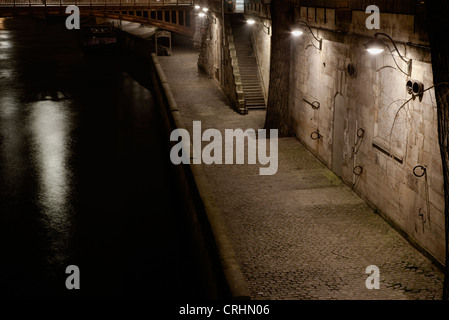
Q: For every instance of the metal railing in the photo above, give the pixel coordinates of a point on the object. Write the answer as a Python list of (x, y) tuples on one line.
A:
[(104, 3)]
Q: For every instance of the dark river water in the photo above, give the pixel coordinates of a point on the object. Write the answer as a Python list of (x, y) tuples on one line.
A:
[(84, 174)]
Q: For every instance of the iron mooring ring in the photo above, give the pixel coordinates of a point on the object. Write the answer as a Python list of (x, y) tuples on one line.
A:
[(360, 133), (357, 170), (315, 135), (423, 171), (315, 105)]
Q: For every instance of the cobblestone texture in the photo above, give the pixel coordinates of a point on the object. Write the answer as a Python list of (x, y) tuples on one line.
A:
[(301, 233)]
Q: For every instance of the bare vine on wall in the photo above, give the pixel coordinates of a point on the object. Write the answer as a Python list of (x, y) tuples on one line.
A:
[(419, 171), (404, 111)]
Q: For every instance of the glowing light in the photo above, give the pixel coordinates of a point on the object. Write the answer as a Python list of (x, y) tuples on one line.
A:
[(251, 21), (375, 50), (375, 46), (297, 33)]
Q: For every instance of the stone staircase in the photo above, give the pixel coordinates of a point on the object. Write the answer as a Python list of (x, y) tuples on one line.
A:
[(249, 70)]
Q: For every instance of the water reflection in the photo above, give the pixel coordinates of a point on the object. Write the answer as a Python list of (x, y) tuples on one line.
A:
[(4, 44), (83, 181), (50, 126), (2, 23), (11, 139)]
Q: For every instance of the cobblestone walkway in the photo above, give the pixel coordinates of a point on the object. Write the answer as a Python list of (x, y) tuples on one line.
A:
[(301, 233)]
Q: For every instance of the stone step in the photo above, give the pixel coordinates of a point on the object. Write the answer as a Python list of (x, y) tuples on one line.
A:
[(255, 101), (255, 106), (251, 83), (246, 59), (252, 88), (251, 94), (260, 100), (249, 73), (258, 105), (254, 80), (254, 98)]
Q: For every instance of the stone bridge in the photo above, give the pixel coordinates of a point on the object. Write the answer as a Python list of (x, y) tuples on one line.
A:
[(173, 15)]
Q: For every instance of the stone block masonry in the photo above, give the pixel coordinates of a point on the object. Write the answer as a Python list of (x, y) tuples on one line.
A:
[(359, 91)]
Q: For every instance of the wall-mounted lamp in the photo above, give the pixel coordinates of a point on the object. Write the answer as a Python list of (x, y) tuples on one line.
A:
[(300, 30), (197, 7), (205, 9), (297, 33), (252, 20), (376, 46), (201, 14)]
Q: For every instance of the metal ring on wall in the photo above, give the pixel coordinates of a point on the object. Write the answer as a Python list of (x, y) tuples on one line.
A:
[(421, 215), (315, 135), (315, 105), (424, 170), (357, 170), (360, 133), (357, 145)]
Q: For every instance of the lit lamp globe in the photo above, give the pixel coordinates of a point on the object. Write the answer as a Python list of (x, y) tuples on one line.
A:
[(375, 46), (297, 33), (201, 14), (251, 21)]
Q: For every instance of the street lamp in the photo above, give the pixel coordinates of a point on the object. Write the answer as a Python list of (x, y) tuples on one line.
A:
[(376, 46), (252, 20), (300, 30), (297, 33)]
